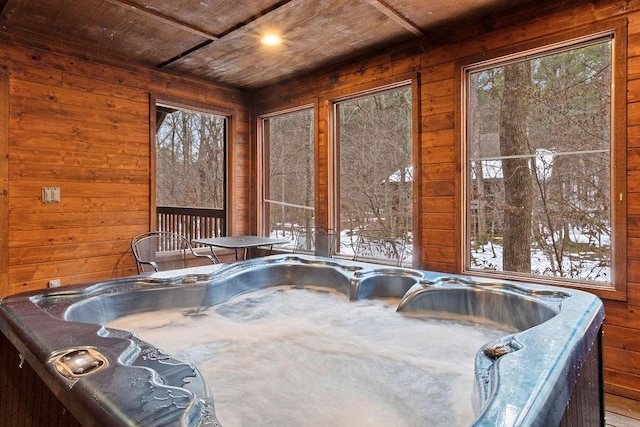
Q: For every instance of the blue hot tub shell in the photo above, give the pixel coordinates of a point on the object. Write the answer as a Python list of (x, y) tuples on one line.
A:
[(548, 372)]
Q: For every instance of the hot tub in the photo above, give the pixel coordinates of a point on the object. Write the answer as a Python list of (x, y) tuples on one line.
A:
[(60, 365)]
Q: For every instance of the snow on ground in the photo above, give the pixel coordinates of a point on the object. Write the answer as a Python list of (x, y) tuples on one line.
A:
[(575, 265), (580, 266)]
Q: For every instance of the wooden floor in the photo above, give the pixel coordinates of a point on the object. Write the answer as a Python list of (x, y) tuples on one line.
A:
[(621, 412)]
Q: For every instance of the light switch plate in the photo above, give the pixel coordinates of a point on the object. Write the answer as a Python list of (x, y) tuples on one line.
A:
[(50, 194)]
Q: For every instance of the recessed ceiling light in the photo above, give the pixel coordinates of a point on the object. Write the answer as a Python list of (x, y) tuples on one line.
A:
[(271, 40)]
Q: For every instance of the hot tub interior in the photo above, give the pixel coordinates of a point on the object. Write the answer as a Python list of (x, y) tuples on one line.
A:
[(319, 323)]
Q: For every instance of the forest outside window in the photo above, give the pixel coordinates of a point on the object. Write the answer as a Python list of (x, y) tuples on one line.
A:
[(374, 176), (539, 155), (288, 188), (190, 172)]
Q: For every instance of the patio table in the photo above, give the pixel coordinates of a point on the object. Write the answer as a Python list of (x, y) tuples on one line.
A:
[(240, 243)]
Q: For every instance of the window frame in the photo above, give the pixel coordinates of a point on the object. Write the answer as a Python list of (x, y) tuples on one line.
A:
[(617, 30), (263, 179), (172, 103), (412, 83)]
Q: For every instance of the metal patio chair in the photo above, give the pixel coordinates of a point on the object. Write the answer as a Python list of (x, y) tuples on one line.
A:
[(380, 245), (162, 250), (317, 240)]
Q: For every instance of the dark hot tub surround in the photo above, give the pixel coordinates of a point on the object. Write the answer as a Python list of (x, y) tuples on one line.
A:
[(546, 373)]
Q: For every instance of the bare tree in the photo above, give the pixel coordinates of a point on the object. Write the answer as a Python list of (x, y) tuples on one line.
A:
[(291, 170), (190, 160), (517, 176), (376, 174)]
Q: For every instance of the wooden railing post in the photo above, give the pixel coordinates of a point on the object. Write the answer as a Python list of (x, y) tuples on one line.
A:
[(193, 223)]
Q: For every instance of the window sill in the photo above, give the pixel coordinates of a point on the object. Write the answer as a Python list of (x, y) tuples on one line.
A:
[(606, 291)]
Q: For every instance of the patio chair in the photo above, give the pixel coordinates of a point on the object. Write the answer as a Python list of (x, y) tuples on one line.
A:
[(316, 240), (162, 250), (380, 245)]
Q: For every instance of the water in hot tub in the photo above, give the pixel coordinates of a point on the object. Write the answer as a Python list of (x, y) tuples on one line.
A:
[(294, 357)]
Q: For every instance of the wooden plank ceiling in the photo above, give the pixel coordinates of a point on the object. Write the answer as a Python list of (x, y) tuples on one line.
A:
[(219, 40)]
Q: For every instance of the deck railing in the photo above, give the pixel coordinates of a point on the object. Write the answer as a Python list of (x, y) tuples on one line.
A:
[(193, 223)]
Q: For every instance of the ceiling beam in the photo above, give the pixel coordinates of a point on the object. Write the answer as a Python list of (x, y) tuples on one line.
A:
[(255, 17), (395, 16), (228, 31), (168, 20)]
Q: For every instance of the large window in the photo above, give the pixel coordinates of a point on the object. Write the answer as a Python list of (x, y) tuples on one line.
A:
[(190, 158), (288, 176), (539, 155), (375, 167), (190, 172)]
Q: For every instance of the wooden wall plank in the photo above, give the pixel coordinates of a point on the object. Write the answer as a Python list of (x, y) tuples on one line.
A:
[(622, 338), (79, 234), (60, 253), (88, 160), (622, 384), (633, 293), (634, 67), (435, 237), (36, 74), (4, 180), (438, 97), (438, 221), (100, 146), (435, 72), (438, 172), (30, 58), (69, 105), (80, 189), (621, 357), (89, 84), (25, 205), (440, 204), (72, 219), (620, 313), (441, 121), (633, 137), (36, 171), (633, 112), (30, 277)]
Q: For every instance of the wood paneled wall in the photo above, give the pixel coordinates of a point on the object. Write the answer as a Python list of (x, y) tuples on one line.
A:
[(434, 61), (84, 126)]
